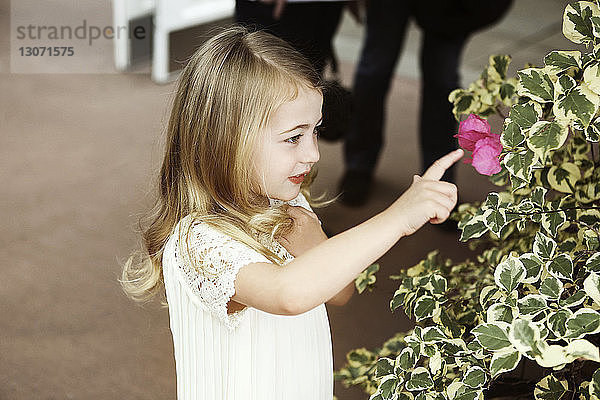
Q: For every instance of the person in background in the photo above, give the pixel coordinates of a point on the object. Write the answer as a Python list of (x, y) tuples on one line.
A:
[(446, 26), (309, 26)]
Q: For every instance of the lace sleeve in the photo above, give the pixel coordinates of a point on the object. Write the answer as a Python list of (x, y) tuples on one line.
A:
[(208, 262)]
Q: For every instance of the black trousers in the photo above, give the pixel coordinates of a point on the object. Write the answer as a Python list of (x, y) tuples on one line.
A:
[(308, 26), (387, 21)]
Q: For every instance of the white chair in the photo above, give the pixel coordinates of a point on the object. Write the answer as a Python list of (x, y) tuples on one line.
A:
[(173, 15), (125, 11)]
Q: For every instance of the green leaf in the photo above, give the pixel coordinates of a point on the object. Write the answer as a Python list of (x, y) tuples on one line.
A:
[(563, 86), (592, 133), (577, 23), (583, 322), (425, 307), (492, 201), (524, 115), (538, 196), (593, 263), (531, 305), (576, 105), (388, 385), (407, 359), (507, 91), (595, 384), (551, 288), (519, 164), (591, 286), (420, 379), (582, 348), (488, 295), (552, 356), (591, 77), (551, 222), (475, 377), (561, 267), (524, 335), (494, 220), (543, 246), (561, 61), (474, 228), (499, 62), (590, 238), (385, 366), (433, 334), (533, 267), (466, 393), (536, 84), (500, 312), (573, 301), (564, 177), (557, 322), (509, 273), (465, 103), (439, 285), (545, 136), (436, 363), (550, 388), (504, 361), (493, 336), (366, 278), (512, 135)]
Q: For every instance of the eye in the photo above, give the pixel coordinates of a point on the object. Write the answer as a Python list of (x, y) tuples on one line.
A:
[(293, 139)]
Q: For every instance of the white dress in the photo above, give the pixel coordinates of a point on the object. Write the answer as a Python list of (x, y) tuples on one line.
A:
[(250, 354)]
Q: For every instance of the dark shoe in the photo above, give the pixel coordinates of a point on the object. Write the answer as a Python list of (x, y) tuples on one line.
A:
[(355, 187)]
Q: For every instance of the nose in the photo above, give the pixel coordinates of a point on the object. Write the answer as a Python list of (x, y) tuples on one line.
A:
[(311, 151)]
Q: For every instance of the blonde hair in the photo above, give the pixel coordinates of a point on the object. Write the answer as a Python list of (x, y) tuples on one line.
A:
[(223, 101)]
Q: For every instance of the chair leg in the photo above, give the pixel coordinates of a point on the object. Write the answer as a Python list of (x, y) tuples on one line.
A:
[(121, 42), (160, 56)]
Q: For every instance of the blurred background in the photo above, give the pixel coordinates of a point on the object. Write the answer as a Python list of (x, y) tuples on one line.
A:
[(80, 148)]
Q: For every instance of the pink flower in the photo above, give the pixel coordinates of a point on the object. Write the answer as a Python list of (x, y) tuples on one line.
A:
[(474, 134), (471, 130), (485, 155)]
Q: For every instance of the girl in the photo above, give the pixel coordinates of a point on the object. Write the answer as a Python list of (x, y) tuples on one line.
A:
[(246, 266)]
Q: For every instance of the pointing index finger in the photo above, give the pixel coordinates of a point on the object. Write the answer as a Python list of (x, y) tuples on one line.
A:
[(437, 169)]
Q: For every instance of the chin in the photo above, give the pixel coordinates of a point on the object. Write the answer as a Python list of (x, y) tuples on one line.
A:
[(291, 195)]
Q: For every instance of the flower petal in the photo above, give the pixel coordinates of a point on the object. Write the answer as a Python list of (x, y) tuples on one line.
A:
[(471, 130), (467, 140), (485, 156), (492, 142), (474, 123)]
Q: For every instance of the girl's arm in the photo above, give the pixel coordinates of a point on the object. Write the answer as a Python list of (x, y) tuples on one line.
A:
[(325, 269), (343, 296)]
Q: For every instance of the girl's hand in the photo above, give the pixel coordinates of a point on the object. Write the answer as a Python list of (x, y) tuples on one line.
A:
[(305, 234), (428, 198)]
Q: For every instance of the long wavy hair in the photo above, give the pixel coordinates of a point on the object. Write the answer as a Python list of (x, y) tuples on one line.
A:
[(224, 98)]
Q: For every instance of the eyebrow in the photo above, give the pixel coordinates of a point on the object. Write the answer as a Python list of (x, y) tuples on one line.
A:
[(303, 126)]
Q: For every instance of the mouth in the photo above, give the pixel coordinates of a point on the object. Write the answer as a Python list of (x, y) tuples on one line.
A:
[(296, 179)]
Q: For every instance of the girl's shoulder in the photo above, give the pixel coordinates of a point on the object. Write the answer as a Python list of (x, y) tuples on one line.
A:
[(195, 232), (201, 236)]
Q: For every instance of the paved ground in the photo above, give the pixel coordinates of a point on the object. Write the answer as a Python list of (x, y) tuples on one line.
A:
[(78, 159)]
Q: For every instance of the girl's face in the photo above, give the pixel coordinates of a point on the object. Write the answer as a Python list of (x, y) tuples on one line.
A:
[(289, 147)]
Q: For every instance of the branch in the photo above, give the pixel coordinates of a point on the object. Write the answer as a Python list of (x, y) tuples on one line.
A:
[(553, 211)]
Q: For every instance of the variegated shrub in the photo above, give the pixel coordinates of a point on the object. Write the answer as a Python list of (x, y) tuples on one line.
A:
[(534, 291)]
